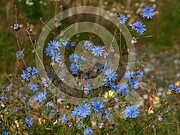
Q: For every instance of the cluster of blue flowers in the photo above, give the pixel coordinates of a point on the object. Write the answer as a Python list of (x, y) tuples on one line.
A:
[(138, 26), (75, 65), (28, 72), (53, 51)]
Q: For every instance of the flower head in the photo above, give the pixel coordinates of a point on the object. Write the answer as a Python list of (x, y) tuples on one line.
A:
[(114, 86), (53, 51), (29, 121), (129, 74), (64, 119), (34, 87), (16, 27), (19, 54), (88, 131), (75, 68), (140, 73), (73, 58), (109, 94), (148, 12), (111, 75), (124, 88), (131, 112), (103, 67), (41, 96), (66, 43), (2, 98), (139, 27), (82, 111), (88, 45), (134, 83), (4, 132), (25, 76), (174, 88), (122, 19), (97, 51), (97, 106)]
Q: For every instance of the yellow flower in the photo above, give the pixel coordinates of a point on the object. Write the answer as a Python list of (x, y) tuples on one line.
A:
[(109, 94), (94, 124), (150, 111), (40, 120), (169, 92), (156, 100)]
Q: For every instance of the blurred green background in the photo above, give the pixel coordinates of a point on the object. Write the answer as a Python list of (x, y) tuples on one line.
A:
[(166, 25)]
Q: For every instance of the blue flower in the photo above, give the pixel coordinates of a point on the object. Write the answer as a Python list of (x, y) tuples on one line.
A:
[(53, 51), (16, 27), (111, 75), (25, 76), (74, 112), (140, 73), (2, 98), (56, 57), (124, 88), (29, 121), (103, 67), (65, 43), (54, 45), (24, 100), (114, 86), (174, 88), (73, 58), (34, 71), (41, 96), (122, 19), (97, 106), (4, 132), (64, 119), (129, 74), (131, 112), (34, 87), (139, 27), (148, 12), (97, 51), (19, 54), (134, 83), (44, 82), (159, 117), (82, 111), (29, 69), (88, 45), (75, 68), (88, 131), (106, 115)]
